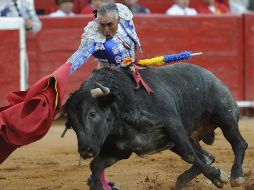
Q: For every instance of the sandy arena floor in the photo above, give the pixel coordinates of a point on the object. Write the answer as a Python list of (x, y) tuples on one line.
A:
[(52, 164)]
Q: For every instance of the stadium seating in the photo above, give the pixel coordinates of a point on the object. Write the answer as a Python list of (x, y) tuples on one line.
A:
[(160, 6), (47, 6)]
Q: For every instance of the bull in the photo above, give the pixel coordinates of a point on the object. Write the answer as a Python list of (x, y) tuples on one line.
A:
[(112, 119)]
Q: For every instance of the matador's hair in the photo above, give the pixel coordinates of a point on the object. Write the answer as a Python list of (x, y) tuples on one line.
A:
[(106, 8)]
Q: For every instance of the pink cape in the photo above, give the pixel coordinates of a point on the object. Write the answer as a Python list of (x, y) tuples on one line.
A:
[(31, 112)]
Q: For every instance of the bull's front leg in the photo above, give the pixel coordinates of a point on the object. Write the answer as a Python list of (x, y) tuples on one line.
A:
[(105, 184), (193, 172), (97, 180), (184, 148)]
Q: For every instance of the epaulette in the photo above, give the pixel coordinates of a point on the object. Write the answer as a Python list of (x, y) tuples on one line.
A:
[(124, 12), (91, 31)]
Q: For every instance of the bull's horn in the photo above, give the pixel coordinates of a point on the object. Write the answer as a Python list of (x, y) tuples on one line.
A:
[(101, 91), (104, 89)]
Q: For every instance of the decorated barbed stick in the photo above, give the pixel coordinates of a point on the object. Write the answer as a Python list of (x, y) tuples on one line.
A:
[(162, 60), (133, 65)]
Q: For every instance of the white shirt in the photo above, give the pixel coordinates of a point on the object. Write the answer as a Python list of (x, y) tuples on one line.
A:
[(177, 10), (212, 8), (26, 10), (238, 6), (60, 13)]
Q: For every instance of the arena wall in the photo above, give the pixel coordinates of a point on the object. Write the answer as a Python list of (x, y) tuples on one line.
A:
[(249, 56), (10, 65), (219, 38), (223, 40)]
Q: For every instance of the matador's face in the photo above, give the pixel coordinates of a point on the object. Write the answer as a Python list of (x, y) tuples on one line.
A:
[(109, 24)]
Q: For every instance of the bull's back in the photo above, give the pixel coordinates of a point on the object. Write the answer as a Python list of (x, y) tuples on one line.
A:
[(188, 87), (178, 74), (185, 78)]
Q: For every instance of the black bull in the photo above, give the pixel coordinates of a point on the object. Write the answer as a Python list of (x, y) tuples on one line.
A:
[(187, 105)]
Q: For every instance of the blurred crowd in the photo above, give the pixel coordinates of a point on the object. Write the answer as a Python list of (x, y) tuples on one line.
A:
[(65, 7), (179, 7), (62, 8)]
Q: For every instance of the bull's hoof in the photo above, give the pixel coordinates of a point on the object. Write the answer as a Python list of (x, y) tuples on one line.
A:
[(221, 180), (96, 188), (217, 183), (92, 185), (110, 185), (180, 187), (237, 182), (113, 186), (223, 177), (181, 183)]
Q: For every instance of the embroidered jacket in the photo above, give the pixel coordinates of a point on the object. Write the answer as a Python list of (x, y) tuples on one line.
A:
[(107, 51)]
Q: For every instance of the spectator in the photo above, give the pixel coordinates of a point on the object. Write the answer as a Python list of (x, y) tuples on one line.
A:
[(65, 8), (212, 7), (180, 7), (251, 5), (238, 6), (93, 5), (135, 7), (25, 9), (89, 8), (21, 8)]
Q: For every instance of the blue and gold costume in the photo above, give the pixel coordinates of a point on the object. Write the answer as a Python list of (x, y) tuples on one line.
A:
[(108, 51), (119, 51)]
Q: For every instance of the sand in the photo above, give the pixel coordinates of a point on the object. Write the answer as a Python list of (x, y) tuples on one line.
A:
[(52, 163)]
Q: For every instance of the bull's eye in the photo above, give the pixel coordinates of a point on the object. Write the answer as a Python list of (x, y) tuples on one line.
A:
[(92, 114)]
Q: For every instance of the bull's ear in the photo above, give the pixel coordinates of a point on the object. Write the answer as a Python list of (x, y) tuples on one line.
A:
[(106, 100), (68, 124)]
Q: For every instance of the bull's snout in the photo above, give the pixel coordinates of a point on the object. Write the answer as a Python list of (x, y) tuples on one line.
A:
[(85, 148), (86, 152)]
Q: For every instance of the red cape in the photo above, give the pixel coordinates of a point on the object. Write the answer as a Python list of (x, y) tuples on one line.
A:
[(31, 112)]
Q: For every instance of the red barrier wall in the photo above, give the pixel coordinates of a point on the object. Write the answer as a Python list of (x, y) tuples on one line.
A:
[(220, 38), (9, 63), (249, 56)]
